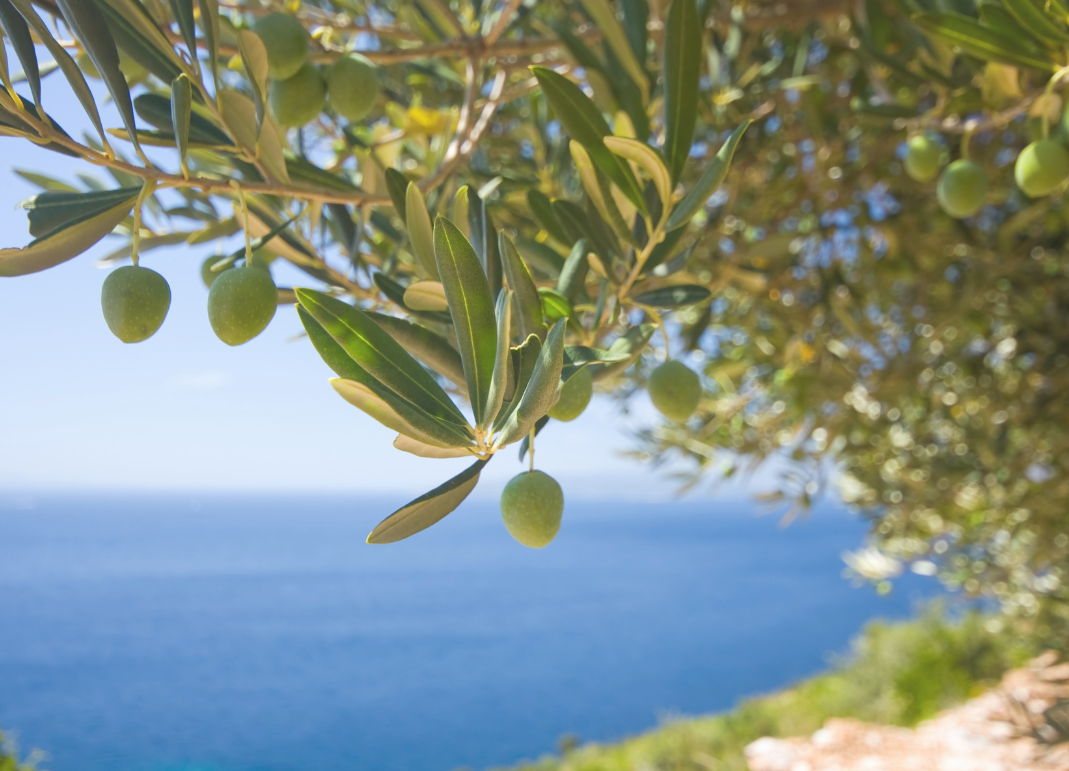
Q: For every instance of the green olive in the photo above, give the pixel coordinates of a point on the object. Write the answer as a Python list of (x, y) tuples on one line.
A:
[(298, 100), (207, 275), (962, 188), (353, 87), (286, 42), (531, 506), (1041, 168), (923, 158), (135, 301), (241, 303), (675, 390), (574, 396)]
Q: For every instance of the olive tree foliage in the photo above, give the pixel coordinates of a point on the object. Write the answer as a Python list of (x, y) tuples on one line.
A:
[(536, 190)]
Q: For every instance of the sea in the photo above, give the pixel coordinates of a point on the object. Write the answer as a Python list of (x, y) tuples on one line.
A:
[(187, 632)]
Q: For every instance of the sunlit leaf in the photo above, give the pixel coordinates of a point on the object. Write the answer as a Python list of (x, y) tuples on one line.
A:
[(541, 390), (426, 296), (502, 361), (711, 179), (420, 231), (682, 70), (431, 349), (427, 509), (527, 304)]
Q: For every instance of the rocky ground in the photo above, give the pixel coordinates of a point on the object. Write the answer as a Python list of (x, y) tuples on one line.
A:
[(1023, 725)]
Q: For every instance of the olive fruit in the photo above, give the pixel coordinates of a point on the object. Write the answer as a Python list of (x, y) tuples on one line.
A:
[(297, 100), (353, 86), (135, 301), (675, 390), (574, 396), (286, 42), (241, 303), (1041, 168), (207, 275), (531, 506), (923, 158), (962, 189)]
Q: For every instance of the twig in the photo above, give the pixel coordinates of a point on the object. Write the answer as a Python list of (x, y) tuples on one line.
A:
[(503, 19)]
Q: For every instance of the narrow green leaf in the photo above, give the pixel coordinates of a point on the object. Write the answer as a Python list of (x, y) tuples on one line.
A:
[(395, 292), (209, 24), (711, 179), (585, 124), (427, 509), (624, 350), (580, 225), (461, 215), (972, 37), (254, 59), (471, 308), (181, 109), (135, 17), (664, 251), (397, 187), (502, 361), (380, 355), (636, 17), (45, 182), (647, 159), (426, 296), (431, 349), (367, 400), (155, 110), (540, 257), (302, 171), (52, 210), (1035, 20), (542, 209), (524, 358), (420, 231), (239, 114), (541, 391), (89, 26), (682, 71), (674, 296), (527, 303), (129, 28), (995, 16), (601, 11), (573, 275), (554, 304), (183, 14), (70, 68), (406, 443), (18, 32), (483, 237), (429, 429), (64, 243)]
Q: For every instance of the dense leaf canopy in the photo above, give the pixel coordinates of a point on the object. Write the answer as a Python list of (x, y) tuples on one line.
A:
[(489, 198)]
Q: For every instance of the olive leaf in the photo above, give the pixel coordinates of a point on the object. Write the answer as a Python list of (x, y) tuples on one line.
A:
[(470, 307), (370, 402), (409, 417), (134, 33), (674, 296), (89, 26), (426, 296), (461, 211), (209, 23), (541, 391), (239, 115), (1032, 17), (181, 108), (156, 110), (596, 188), (527, 303), (395, 292), (397, 187), (379, 354), (711, 179), (524, 358), (604, 17), (624, 350), (980, 41), (183, 14), (420, 231), (51, 210), (421, 450), (70, 68), (554, 304), (585, 124), (682, 71), (502, 361), (63, 243), (253, 55), (431, 349), (647, 159), (483, 238), (18, 32), (572, 278), (428, 509), (542, 209)]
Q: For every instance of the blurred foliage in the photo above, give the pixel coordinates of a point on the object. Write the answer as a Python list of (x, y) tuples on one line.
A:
[(895, 673), (9, 759)]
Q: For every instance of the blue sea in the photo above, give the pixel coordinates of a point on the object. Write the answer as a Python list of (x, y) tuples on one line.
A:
[(244, 633)]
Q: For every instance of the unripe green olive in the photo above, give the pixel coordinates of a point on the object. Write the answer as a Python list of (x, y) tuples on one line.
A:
[(1041, 168), (353, 87), (241, 303), (531, 506), (135, 301), (923, 158), (574, 396), (962, 188), (207, 275), (286, 42), (675, 390), (299, 99)]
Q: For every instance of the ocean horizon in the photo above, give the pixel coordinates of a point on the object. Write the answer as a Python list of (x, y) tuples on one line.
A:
[(215, 632)]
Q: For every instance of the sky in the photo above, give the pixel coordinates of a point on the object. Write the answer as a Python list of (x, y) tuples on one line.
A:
[(184, 411)]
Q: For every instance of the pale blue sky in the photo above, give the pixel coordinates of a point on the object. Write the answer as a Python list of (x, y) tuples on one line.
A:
[(184, 411)]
